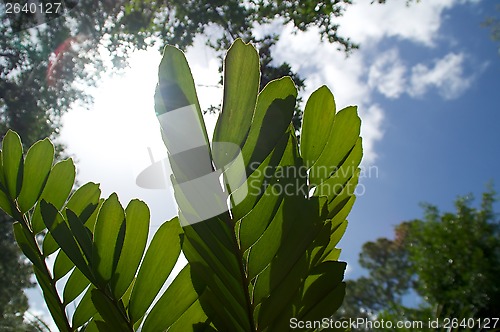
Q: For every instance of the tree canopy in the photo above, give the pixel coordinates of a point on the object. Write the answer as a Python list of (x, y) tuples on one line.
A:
[(451, 260)]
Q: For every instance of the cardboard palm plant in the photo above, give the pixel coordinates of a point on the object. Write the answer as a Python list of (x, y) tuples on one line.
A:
[(259, 214)]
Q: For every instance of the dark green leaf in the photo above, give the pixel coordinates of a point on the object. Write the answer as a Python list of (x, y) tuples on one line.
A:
[(317, 123), (273, 114), (56, 190), (343, 136), (28, 245), (12, 161), (82, 234), (74, 286), (109, 222), (108, 310), (85, 309), (241, 74), (174, 303), (64, 237), (136, 235), (62, 264), (162, 252), (37, 166)]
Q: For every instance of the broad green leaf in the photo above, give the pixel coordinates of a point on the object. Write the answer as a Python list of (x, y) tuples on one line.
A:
[(56, 190), (317, 123), (64, 238), (92, 326), (5, 201), (37, 166), (343, 136), (74, 286), (162, 252), (78, 204), (241, 74), (110, 220), (332, 186), (342, 198), (81, 233), (223, 280), (174, 303), (12, 161), (28, 245), (49, 245), (84, 201), (62, 265), (273, 115), (134, 243), (114, 319), (85, 309), (272, 256), (260, 175), (178, 109)]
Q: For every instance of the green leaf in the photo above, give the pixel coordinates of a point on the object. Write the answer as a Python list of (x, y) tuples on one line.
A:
[(84, 201), (12, 161), (241, 74), (106, 238), (56, 190), (114, 319), (49, 245), (85, 309), (37, 166), (134, 243), (82, 235), (174, 303), (64, 237), (163, 251), (62, 264), (74, 286), (176, 97), (273, 115), (272, 256), (343, 136), (5, 203), (317, 122), (28, 245)]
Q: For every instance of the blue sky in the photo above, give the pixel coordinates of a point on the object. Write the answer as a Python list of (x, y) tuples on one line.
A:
[(438, 144), (426, 81)]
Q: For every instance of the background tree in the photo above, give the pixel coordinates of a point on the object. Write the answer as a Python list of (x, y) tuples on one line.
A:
[(456, 258), (451, 260), (14, 277), (493, 22)]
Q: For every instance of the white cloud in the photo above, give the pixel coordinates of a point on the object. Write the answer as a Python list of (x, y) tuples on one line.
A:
[(368, 23), (371, 131), (387, 74), (322, 64), (355, 79), (447, 75)]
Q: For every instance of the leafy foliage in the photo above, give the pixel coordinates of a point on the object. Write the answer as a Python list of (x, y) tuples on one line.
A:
[(101, 243), (281, 235), (463, 249), (14, 277), (493, 22), (449, 259)]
